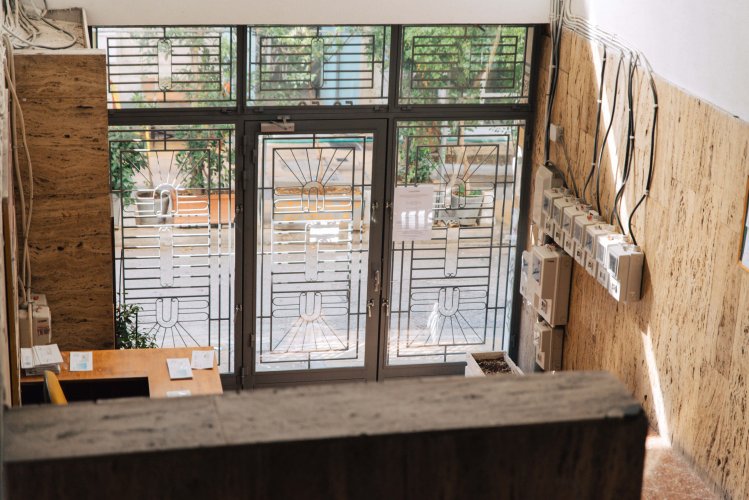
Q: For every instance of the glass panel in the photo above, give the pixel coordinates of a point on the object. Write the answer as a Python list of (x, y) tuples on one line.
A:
[(318, 65), (313, 250), (465, 64), (166, 67), (173, 194), (452, 294)]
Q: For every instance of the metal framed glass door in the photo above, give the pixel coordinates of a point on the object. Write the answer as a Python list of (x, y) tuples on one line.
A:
[(451, 294), (318, 238)]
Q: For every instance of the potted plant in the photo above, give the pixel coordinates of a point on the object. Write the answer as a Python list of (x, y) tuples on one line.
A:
[(483, 364), (126, 333)]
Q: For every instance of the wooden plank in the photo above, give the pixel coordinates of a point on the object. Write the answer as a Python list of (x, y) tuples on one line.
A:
[(143, 363), (570, 435)]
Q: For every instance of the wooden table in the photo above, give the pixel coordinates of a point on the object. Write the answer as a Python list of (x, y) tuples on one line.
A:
[(148, 364)]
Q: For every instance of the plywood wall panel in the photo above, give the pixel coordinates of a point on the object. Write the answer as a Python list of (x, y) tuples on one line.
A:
[(64, 104), (694, 310)]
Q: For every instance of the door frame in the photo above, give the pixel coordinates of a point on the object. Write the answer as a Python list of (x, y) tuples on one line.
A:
[(369, 372)]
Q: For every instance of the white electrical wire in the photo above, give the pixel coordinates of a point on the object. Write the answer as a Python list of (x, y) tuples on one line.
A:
[(23, 27), (17, 120)]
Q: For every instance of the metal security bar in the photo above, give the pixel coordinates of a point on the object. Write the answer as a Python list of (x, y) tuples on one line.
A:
[(169, 66), (173, 189), (318, 65), (452, 294), (313, 247), (465, 64)]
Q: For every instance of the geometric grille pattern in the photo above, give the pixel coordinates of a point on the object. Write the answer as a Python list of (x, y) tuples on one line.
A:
[(342, 65), (174, 232), (452, 294), (169, 66), (313, 250), (464, 64)]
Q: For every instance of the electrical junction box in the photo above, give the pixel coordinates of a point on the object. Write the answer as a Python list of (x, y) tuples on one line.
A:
[(625, 264), (544, 180), (579, 226), (550, 195), (560, 204), (604, 242), (592, 233), (527, 285), (549, 343), (551, 270), (39, 332), (568, 218)]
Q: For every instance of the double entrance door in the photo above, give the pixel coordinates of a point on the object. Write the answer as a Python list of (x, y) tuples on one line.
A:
[(334, 297)]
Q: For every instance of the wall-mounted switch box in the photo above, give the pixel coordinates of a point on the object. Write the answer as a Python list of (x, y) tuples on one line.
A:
[(549, 343), (543, 180), (560, 204), (579, 226), (625, 263), (550, 195), (592, 233), (551, 270), (603, 243), (568, 219)]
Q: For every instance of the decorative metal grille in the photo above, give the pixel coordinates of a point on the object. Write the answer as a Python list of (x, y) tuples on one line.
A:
[(169, 66), (465, 64), (452, 294), (318, 65), (313, 249), (173, 189)]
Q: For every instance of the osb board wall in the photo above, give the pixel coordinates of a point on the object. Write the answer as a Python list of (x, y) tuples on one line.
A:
[(64, 105), (695, 306)]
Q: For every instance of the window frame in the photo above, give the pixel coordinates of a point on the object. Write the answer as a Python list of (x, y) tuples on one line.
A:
[(393, 112)]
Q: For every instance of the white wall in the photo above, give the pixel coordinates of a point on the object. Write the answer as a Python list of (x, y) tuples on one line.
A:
[(156, 12), (700, 45)]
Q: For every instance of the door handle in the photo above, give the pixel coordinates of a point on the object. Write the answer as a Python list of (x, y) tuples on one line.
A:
[(370, 305), (373, 212), (386, 306)]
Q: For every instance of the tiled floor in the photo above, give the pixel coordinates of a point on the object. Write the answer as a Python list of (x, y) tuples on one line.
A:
[(668, 476)]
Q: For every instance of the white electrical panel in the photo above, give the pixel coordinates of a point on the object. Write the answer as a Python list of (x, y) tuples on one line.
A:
[(549, 343), (544, 179), (550, 273), (603, 243), (550, 195), (568, 219), (527, 288), (579, 226), (592, 233), (625, 264), (560, 204)]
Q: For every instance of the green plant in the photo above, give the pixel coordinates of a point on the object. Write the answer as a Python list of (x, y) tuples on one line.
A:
[(126, 332), (420, 167), (126, 159)]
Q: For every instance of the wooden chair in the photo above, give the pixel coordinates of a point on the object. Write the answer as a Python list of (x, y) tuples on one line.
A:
[(53, 390)]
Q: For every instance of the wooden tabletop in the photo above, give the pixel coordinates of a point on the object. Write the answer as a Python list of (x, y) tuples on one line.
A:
[(144, 363)]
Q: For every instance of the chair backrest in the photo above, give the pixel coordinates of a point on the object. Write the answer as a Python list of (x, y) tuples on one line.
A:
[(53, 389)]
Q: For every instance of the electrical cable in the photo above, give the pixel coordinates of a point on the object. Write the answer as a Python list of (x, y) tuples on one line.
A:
[(629, 148), (651, 160), (598, 125), (606, 135), (18, 20), (17, 119)]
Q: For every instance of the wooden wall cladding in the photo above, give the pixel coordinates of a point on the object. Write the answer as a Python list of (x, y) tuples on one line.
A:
[(689, 336), (64, 104)]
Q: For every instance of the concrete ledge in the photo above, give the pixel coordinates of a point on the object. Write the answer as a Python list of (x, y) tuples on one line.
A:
[(569, 435)]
